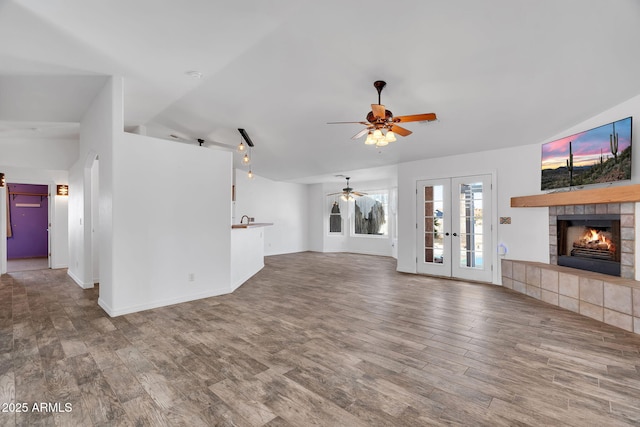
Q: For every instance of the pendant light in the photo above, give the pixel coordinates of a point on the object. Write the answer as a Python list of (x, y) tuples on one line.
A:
[(246, 159), (250, 174)]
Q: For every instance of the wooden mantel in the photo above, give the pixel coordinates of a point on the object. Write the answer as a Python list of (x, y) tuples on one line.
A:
[(620, 194)]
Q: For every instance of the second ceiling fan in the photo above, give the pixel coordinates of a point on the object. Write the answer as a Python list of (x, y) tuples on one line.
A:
[(382, 125), (347, 193)]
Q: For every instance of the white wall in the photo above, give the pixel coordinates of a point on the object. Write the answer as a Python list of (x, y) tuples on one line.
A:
[(316, 217), (517, 172), (164, 214), (101, 125), (171, 219), (346, 241), (284, 204), (39, 154)]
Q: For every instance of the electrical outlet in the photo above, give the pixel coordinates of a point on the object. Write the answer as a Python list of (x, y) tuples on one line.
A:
[(191, 277)]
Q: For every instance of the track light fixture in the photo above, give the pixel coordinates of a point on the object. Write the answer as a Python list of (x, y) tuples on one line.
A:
[(245, 135)]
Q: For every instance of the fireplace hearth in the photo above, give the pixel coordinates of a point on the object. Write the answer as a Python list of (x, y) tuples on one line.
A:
[(590, 242)]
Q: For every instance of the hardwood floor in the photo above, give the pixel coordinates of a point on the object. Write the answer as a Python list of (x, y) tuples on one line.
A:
[(312, 339)]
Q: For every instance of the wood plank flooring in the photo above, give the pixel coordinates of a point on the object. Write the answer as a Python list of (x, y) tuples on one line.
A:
[(312, 339)]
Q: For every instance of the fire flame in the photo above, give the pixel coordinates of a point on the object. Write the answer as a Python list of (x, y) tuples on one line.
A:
[(596, 238)]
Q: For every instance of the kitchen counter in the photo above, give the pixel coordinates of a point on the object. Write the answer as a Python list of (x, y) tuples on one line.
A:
[(252, 224), (247, 251)]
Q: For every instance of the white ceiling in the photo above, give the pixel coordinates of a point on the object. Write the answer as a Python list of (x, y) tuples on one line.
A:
[(498, 73)]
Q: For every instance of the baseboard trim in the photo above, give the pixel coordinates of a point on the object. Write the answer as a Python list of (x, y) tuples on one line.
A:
[(157, 304), (105, 307), (79, 282), (242, 280)]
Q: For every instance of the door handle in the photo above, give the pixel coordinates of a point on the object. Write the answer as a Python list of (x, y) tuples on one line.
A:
[(455, 234), (446, 234)]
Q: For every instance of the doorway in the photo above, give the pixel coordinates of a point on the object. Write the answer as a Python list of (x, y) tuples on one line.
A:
[(28, 241), (94, 226), (455, 227)]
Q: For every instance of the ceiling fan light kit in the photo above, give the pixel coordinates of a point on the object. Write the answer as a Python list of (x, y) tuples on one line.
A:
[(382, 125), (347, 193), (379, 139)]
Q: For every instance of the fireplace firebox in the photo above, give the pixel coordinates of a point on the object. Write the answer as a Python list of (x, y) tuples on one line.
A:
[(590, 242)]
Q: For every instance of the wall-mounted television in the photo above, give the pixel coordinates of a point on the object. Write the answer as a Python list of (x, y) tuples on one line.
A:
[(595, 156)]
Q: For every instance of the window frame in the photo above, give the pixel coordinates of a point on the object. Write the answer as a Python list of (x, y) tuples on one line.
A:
[(330, 201), (352, 221)]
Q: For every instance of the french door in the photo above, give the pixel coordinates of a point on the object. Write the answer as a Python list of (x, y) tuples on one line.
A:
[(454, 227)]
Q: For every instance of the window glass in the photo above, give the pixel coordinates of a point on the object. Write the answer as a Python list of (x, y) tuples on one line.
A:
[(335, 218), (370, 216)]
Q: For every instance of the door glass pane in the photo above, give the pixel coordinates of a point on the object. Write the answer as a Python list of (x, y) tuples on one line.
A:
[(438, 256), (471, 230), (433, 224)]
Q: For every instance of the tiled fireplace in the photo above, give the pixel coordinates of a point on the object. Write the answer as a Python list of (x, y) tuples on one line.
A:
[(608, 249), (611, 297)]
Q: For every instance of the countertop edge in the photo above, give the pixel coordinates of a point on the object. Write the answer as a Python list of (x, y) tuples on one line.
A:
[(252, 225)]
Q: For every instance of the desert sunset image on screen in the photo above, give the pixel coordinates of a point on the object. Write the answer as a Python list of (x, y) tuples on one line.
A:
[(598, 155)]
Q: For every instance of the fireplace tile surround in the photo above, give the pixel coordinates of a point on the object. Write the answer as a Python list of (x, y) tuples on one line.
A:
[(608, 299), (627, 230)]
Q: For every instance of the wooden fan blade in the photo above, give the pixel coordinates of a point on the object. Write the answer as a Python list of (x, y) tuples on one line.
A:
[(361, 133), (340, 123), (428, 117), (357, 193), (400, 130), (378, 111)]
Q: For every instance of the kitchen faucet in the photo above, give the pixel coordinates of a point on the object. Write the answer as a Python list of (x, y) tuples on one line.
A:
[(243, 217)]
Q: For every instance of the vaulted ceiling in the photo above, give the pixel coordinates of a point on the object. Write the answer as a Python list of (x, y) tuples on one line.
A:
[(498, 73)]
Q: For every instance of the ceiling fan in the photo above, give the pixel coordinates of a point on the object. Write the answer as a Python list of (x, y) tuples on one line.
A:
[(382, 125), (347, 192)]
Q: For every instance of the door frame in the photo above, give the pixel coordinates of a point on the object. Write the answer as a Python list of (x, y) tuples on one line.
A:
[(493, 216), (51, 190)]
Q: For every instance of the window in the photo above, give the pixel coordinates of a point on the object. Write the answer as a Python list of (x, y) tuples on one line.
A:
[(335, 218), (370, 216)]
